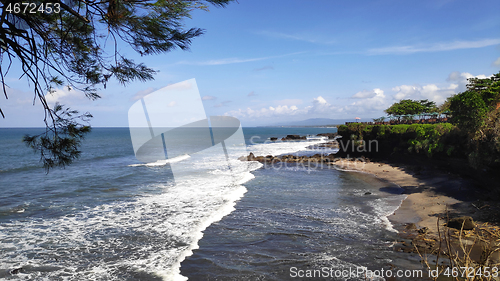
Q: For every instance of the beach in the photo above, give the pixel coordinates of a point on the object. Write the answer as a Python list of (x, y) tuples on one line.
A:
[(433, 197), (428, 195)]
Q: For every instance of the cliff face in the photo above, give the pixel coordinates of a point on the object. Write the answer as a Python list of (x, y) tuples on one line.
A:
[(441, 146), (431, 140)]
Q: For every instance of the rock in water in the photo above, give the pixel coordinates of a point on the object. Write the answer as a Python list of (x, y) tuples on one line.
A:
[(329, 135), (457, 223), (16, 271), (294, 137), (251, 157)]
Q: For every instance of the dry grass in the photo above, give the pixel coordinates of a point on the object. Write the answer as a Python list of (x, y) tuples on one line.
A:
[(465, 255)]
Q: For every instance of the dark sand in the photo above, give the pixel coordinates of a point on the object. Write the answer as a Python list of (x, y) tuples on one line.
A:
[(433, 197)]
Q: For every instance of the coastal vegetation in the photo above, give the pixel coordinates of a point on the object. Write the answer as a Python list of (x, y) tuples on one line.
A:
[(428, 139), (470, 140), (407, 109), (476, 112), (473, 132)]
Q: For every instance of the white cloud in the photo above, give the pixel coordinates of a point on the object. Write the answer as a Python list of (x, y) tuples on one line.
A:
[(285, 108), (376, 101), (19, 105), (267, 67), (208, 98), (430, 92), (25, 101), (225, 61), (497, 62), (235, 60), (305, 37), (140, 94), (66, 96), (17, 97), (368, 102), (222, 103), (461, 79), (319, 105), (184, 85), (434, 92), (436, 47), (365, 94), (280, 110), (319, 101)]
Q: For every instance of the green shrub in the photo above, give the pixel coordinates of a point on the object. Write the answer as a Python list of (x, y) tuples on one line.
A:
[(428, 139)]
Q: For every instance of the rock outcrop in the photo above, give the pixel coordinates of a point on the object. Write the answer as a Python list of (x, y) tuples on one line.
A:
[(17, 271), (331, 144), (294, 137), (330, 136), (289, 158), (467, 222)]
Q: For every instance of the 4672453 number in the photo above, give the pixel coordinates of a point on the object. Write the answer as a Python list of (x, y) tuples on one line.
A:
[(33, 8), (471, 272)]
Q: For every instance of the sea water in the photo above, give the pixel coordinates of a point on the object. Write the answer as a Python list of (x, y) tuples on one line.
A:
[(109, 217)]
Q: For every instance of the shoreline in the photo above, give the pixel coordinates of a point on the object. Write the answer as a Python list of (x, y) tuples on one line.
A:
[(423, 202), (431, 193), (433, 197)]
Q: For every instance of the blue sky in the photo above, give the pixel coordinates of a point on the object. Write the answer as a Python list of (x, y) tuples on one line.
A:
[(271, 61)]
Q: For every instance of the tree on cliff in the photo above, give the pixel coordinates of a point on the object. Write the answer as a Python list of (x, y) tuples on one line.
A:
[(411, 107), (470, 108), (75, 44), (477, 113)]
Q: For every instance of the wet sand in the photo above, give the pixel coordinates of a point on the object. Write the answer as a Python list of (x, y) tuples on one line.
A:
[(431, 194)]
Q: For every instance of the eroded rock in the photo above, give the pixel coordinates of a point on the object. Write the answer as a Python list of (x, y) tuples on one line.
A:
[(466, 221)]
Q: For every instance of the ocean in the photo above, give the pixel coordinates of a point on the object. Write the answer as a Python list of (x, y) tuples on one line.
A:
[(110, 217)]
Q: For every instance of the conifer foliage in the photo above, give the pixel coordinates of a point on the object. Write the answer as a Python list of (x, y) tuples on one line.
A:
[(75, 43)]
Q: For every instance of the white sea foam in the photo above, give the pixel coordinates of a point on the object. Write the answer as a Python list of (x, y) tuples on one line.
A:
[(216, 216), (152, 234), (384, 207), (316, 138), (171, 224), (279, 147), (339, 264), (234, 171), (162, 162)]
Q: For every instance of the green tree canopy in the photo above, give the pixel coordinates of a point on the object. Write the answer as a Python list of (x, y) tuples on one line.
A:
[(476, 112), (445, 106), (470, 108), (75, 43), (411, 107)]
